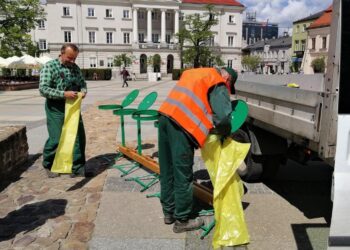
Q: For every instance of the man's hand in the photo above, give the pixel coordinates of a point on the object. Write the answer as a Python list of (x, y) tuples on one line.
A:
[(70, 94)]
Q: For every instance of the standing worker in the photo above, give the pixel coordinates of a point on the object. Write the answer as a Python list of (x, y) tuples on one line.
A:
[(125, 75), (61, 79), (197, 105)]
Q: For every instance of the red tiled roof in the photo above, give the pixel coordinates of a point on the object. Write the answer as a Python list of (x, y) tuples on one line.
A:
[(324, 20), (216, 2)]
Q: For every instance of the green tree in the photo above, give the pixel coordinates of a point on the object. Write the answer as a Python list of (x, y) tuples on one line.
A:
[(194, 37), (251, 62), (122, 60), (319, 65), (18, 18)]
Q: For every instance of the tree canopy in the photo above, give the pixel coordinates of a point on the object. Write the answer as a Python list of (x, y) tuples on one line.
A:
[(17, 19), (251, 62), (196, 39), (122, 60)]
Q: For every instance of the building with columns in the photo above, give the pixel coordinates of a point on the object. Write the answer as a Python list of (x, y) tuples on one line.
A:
[(140, 28)]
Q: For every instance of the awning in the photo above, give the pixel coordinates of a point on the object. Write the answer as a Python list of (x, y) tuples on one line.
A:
[(296, 59)]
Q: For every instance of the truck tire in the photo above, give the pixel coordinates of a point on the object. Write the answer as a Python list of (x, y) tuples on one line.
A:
[(252, 170)]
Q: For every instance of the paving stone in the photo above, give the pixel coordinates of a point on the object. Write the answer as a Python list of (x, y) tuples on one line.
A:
[(24, 241), (94, 197), (82, 231), (44, 241), (3, 197), (73, 245), (5, 244), (44, 231), (24, 199), (60, 231), (54, 246)]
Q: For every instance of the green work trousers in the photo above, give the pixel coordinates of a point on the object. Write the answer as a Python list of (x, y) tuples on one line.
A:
[(55, 118), (176, 152)]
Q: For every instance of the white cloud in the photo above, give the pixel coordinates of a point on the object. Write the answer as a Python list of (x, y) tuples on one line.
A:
[(284, 12)]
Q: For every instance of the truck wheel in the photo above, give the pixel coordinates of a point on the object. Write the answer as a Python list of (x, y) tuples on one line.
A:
[(253, 169)]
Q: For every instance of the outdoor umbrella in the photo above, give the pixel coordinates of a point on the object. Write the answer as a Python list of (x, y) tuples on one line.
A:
[(25, 62), (10, 60), (43, 59), (3, 63)]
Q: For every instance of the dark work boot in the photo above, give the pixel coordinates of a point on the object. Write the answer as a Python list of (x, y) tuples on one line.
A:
[(169, 219), (189, 225), (51, 174)]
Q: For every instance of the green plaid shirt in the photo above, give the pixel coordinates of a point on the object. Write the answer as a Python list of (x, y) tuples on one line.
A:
[(55, 78)]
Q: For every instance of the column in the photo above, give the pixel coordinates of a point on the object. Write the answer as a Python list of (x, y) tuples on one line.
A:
[(149, 25), (176, 27), (135, 25), (163, 26)]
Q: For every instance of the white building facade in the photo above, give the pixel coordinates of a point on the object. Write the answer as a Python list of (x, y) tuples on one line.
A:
[(140, 28)]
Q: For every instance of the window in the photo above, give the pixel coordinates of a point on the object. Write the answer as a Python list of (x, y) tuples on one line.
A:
[(231, 19), (229, 63), (283, 54), (181, 16), (141, 14), (102, 63), (303, 42), (296, 48), (109, 62), (211, 41), (141, 38), (109, 13), (125, 13), (126, 38), (41, 24), (109, 37), (66, 11), (304, 28), (167, 15), (91, 12), (92, 62), (167, 38), (67, 37), (297, 29), (42, 44), (155, 38), (155, 15), (91, 36), (231, 41), (324, 42), (313, 43)]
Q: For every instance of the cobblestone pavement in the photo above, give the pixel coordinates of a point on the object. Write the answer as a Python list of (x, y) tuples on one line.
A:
[(41, 213)]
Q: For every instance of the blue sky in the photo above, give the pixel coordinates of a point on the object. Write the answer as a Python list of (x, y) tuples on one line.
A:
[(284, 12)]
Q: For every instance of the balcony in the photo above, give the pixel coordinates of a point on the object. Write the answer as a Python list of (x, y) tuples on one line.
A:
[(158, 46)]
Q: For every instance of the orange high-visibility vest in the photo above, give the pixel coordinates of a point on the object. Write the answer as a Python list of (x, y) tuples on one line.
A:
[(188, 104)]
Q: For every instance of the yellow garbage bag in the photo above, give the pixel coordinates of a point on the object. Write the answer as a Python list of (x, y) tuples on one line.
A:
[(222, 161), (293, 85), (63, 161)]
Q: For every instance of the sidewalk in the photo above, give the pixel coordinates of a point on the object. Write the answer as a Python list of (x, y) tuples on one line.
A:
[(104, 212)]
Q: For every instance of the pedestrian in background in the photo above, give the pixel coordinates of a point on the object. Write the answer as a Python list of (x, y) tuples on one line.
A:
[(125, 74), (61, 79), (198, 104)]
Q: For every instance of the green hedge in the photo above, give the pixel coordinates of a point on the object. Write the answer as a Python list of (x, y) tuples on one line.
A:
[(177, 73), (97, 74)]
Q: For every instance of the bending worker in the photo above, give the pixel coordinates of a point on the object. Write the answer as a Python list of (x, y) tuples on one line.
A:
[(197, 105)]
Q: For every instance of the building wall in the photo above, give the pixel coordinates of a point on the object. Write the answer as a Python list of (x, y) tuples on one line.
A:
[(80, 24), (319, 51)]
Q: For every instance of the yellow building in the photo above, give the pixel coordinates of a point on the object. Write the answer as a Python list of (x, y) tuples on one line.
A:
[(299, 38)]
